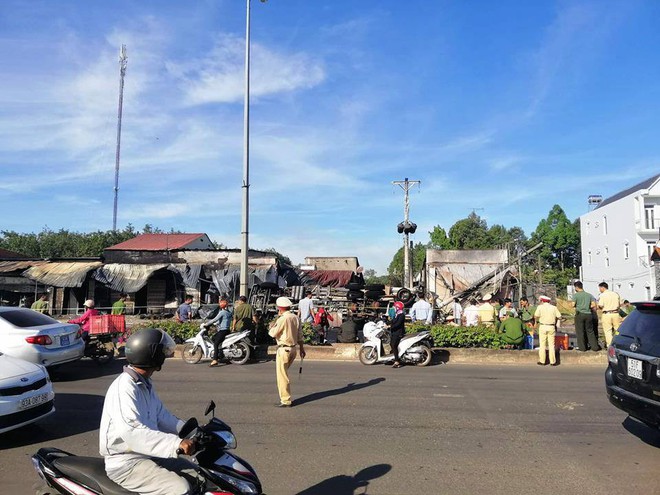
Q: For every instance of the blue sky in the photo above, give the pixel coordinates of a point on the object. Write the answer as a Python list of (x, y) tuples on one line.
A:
[(510, 106)]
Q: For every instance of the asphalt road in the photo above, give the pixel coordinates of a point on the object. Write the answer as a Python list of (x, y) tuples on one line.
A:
[(445, 429)]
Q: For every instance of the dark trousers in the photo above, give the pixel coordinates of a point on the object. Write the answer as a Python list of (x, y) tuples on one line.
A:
[(218, 339), (394, 342), (585, 332)]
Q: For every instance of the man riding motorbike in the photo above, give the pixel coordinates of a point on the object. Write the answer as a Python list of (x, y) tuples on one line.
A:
[(138, 435)]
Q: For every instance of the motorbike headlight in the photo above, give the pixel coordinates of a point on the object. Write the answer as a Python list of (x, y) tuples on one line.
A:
[(243, 486), (227, 437)]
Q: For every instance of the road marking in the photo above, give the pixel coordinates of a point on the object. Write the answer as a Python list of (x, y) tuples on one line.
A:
[(453, 396), (568, 406)]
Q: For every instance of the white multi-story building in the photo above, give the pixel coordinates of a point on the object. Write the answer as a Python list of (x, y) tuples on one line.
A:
[(618, 238)]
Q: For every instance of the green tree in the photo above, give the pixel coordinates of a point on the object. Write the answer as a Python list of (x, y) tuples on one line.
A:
[(439, 239), (560, 238), (281, 258), (470, 233), (395, 270)]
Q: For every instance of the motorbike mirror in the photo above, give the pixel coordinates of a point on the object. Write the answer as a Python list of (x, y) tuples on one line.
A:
[(210, 409), (188, 427)]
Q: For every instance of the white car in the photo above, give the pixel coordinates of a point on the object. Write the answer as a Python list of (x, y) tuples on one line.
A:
[(38, 338), (26, 393)]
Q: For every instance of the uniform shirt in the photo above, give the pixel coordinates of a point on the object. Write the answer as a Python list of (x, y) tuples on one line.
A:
[(609, 301), (118, 308), (286, 330), (305, 306), (527, 313), (39, 305), (135, 424), (547, 314), (513, 328), (471, 315), (487, 313), (222, 319), (582, 302), (421, 311), (184, 312)]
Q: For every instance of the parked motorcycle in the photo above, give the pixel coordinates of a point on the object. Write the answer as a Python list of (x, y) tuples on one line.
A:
[(236, 347), (413, 348), (223, 473)]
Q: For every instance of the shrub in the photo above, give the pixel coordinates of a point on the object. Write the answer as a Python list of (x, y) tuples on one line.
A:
[(178, 331), (453, 336)]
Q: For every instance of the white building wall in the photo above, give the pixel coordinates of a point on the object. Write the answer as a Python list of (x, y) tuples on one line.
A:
[(615, 247)]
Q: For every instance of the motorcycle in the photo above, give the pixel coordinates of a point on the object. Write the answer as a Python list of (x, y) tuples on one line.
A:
[(413, 348), (223, 473), (100, 347), (236, 347)]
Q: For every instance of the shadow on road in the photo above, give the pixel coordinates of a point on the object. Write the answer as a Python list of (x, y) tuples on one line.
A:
[(347, 485), (645, 433), (336, 391), (74, 414), (86, 368)]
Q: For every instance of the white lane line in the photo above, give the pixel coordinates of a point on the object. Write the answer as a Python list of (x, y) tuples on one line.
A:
[(452, 396)]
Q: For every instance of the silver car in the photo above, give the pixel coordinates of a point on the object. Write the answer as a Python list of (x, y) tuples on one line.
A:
[(38, 338)]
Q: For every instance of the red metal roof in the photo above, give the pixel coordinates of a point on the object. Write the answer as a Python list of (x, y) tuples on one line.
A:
[(4, 253), (156, 242)]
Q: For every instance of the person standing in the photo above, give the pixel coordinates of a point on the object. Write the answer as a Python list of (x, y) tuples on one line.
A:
[(184, 312), (119, 307), (138, 436), (547, 317), (471, 314), (244, 318), (609, 302), (287, 333), (223, 321), (85, 319), (527, 316), (40, 304), (626, 309), (306, 309), (487, 312), (422, 311), (458, 312), (584, 303), (397, 329), (322, 321)]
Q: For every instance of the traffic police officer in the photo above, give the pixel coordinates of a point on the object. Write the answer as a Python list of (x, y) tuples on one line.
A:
[(287, 333), (609, 302), (547, 316)]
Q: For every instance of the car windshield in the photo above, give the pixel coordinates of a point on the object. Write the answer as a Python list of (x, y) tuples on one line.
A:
[(25, 318), (644, 324)]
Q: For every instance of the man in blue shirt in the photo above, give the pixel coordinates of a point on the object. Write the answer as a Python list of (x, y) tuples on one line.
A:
[(223, 320), (184, 313)]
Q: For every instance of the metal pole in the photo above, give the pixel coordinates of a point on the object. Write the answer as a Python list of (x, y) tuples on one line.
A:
[(246, 160), (407, 268), (123, 60)]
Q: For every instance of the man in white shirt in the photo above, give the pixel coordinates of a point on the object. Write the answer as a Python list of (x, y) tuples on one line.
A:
[(471, 314), (306, 308), (422, 311), (458, 312)]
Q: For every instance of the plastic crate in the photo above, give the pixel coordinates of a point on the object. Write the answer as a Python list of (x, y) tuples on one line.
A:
[(102, 324)]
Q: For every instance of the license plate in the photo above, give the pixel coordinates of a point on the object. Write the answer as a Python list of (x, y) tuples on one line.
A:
[(64, 340), (29, 402), (635, 368)]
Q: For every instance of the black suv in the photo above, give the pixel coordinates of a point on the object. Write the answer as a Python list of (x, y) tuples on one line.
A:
[(633, 375)]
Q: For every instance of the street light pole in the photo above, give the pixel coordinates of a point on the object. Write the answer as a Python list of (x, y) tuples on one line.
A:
[(246, 161)]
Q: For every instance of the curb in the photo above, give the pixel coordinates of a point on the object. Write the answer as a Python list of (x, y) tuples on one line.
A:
[(349, 352)]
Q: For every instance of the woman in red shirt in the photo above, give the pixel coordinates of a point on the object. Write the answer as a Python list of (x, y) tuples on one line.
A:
[(84, 320), (321, 322)]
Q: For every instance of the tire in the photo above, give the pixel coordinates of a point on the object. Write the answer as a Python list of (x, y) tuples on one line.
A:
[(191, 354), (404, 295), (427, 358), (104, 355), (245, 353), (374, 287), (368, 355)]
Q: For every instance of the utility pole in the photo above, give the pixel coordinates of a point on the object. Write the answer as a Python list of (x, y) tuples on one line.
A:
[(406, 228), (123, 61)]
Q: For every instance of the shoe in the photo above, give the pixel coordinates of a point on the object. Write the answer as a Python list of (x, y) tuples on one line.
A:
[(540, 363), (554, 364), (396, 365), (214, 364), (280, 404)]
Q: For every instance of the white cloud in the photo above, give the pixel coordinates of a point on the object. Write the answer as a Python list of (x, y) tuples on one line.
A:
[(219, 77)]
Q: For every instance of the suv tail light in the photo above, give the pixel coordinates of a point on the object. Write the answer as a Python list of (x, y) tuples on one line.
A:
[(611, 355), (39, 340)]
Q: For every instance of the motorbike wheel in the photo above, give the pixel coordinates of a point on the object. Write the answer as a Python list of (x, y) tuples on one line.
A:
[(426, 359), (244, 350), (368, 355), (104, 353), (191, 354)]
